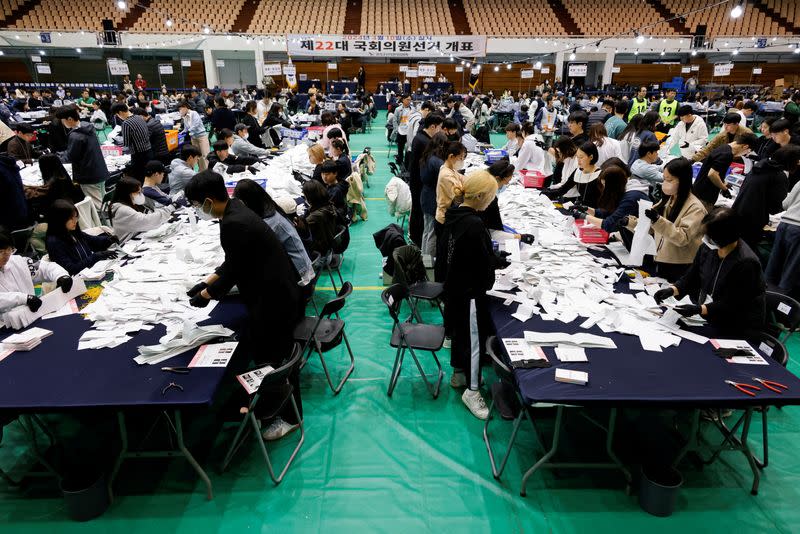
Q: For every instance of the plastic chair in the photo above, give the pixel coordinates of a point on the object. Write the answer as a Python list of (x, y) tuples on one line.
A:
[(783, 315), (411, 336), (505, 383), (277, 386), (420, 288), (323, 333)]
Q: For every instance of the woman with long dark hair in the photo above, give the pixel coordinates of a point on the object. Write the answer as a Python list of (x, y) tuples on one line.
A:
[(67, 245), (563, 151), (677, 221), (58, 182), (431, 161), (627, 136), (619, 199), (127, 211), (250, 119), (644, 134), (583, 182)]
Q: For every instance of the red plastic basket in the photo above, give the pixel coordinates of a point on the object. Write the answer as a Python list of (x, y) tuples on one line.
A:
[(591, 235), (532, 179)]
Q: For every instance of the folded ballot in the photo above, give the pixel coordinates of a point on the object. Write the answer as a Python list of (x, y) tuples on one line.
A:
[(26, 340), (552, 339)]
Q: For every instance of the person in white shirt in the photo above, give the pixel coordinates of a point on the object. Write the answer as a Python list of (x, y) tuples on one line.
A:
[(415, 119), (690, 134), (127, 211), (531, 156), (607, 147), (242, 147), (263, 106), (401, 117), (18, 274)]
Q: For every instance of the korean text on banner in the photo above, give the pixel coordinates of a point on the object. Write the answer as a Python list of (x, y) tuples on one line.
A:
[(385, 45)]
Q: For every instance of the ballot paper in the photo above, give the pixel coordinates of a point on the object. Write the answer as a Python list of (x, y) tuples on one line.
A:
[(174, 343), (519, 350), (568, 376), (251, 380), (642, 243), (24, 341), (216, 355), (753, 358), (21, 316), (571, 353), (549, 339), (69, 308)]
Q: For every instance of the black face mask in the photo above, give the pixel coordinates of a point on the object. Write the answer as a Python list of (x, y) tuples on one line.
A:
[(453, 137)]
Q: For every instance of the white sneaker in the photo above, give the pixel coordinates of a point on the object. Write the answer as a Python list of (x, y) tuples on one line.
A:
[(458, 380), (476, 404), (277, 429), (446, 343)]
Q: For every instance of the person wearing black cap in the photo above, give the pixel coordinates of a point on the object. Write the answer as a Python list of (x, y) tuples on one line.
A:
[(728, 271), (222, 155), (337, 189), (690, 134), (153, 176), (731, 127), (242, 146), (19, 147), (710, 181)]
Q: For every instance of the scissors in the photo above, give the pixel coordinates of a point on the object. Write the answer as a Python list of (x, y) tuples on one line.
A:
[(178, 370), (744, 388), (769, 384)]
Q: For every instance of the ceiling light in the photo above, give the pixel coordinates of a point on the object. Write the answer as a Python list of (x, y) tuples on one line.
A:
[(78, 50), (662, 52), (452, 58), (640, 39), (168, 22), (738, 10), (469, 64), (496, 68), (121, 4), (42, 53), (797, 49), (635, 52), (2, 53), (228, 37), (508, 66), (694, 52), (537, 65), (206, 30), (735, 52)]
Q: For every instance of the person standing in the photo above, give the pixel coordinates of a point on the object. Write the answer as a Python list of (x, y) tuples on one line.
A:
[(616, 123), (431, 125), (639, 104), (158, 137), (193, 125), (83, 152), (710, 181), (401, 117), (667, 111), (783, 268), (136, 137), (140, 83), (255, 262)]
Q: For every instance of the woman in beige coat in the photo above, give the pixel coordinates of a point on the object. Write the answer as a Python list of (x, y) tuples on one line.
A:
[(676, 221)]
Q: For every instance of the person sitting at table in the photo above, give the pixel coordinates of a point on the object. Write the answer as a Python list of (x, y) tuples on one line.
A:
[(318, 225), (18, 274), (153, 176), (514, 138), (274, 118), (645, 167), (68, 246), (255, 262), (469, 264), (606, 146), (531, 156), (337, 187), (328, 120), (221, 154), (84, 103), (728, 271), (222, 118), (339, 155), (564, 152), (258, 200), (242, 147), (19, 147), (312, 108), (583, 183), (128, 214), (183, 168), (316, 156), (619, 198), (254, 128), (676, 221)]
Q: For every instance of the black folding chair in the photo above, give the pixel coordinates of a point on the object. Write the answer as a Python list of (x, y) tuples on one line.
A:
[(106, 202), (277, 387), (323, 333), (411, 336), (783, 315), (318, 264), (22, 242), (416, 278), (335, 259)]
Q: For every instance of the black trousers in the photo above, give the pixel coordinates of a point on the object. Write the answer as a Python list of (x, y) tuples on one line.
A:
[(401, 148), (138, 162), (471, 325), (416, 221)]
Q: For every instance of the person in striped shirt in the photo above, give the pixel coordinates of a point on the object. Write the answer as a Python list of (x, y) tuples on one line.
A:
[(136, 137)]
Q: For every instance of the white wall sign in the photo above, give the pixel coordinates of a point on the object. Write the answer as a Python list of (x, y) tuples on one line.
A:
[(272, 69), (695, 68), (220, 63), (43, 68), (332, 66), (459, 69), (723, 69), (757, 70), (403, 68), (36, 59), (686, 70), (545, 70), (186, 63), (425, 70), (117, 67), (411, 73), (290, 70), (615, 70), (384, 45), (577, 70), (526, 74), (165, 68), (302, 77)]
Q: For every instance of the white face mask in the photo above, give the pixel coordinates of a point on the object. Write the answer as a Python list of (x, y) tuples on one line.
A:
[(201, 213), (669, 188), (707, 241), (139, 199), (458, 165)]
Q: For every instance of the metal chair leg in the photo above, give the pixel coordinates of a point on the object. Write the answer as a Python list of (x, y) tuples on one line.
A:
[(235, 445), (398, 365), (338, 388), (497, 472), (433, 389), (254, 423), (333, 283)]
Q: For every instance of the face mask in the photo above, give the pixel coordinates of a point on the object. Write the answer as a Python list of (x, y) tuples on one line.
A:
[(707, 241), (502, 188), (458, 165), (201, 212), (669, 188), (138, 199)]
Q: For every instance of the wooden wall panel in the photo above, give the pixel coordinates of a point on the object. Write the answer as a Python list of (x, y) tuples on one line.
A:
[(742, 73), (14, 70)]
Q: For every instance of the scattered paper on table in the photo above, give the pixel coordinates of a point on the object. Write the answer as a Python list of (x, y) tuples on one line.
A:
[(216, 355)]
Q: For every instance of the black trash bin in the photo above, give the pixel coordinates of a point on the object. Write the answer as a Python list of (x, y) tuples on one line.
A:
[(86, 495), (658, 489)]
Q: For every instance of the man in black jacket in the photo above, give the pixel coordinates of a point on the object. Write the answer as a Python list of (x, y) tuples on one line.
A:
[(728, 271), (83, 151), (763, 191), (255, 262), (221, 154), (158, 137), (431, 124)]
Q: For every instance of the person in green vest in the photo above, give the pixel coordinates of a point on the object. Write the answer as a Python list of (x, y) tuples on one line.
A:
[(668, 111), (639, 104)]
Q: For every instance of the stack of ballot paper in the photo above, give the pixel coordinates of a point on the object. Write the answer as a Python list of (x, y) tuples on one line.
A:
[(26, 340)]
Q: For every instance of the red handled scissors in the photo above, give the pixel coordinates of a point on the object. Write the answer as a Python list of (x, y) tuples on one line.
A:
[(769, 384), (744, 388)]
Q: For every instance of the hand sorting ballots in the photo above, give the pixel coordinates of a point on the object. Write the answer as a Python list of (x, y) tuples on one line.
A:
[(65, 283), (663, 294), (687, 310), (726, 193), (528, 239), (106, 255), (651, 214), (579, 215), (199, 301), (34, 303), (196, 289)]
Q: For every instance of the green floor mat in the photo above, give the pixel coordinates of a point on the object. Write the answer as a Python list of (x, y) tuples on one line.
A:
[(407, 463)]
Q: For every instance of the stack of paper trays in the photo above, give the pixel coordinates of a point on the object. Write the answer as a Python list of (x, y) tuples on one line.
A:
[(26, 340)]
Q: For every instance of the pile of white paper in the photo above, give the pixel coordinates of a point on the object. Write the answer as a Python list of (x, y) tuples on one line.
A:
[(26, 340)]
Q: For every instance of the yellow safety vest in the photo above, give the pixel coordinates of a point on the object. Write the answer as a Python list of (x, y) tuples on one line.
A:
[(638, 107), (667, 111)]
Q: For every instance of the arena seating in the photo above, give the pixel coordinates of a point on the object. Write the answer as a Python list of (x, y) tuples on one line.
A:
[(600, 17), (717, 21), (9, 7), (430, 17), (72, 15), (218, 16), (512, 17), (294, 16)]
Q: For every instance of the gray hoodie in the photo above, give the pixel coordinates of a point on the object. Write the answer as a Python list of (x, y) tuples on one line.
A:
[(792, 206), (179, 175)]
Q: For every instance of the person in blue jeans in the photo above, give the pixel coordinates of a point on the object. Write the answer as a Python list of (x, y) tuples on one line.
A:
[(783, 268)]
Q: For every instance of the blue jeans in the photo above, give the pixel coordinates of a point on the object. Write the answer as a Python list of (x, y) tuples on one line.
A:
[(783, 269)]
